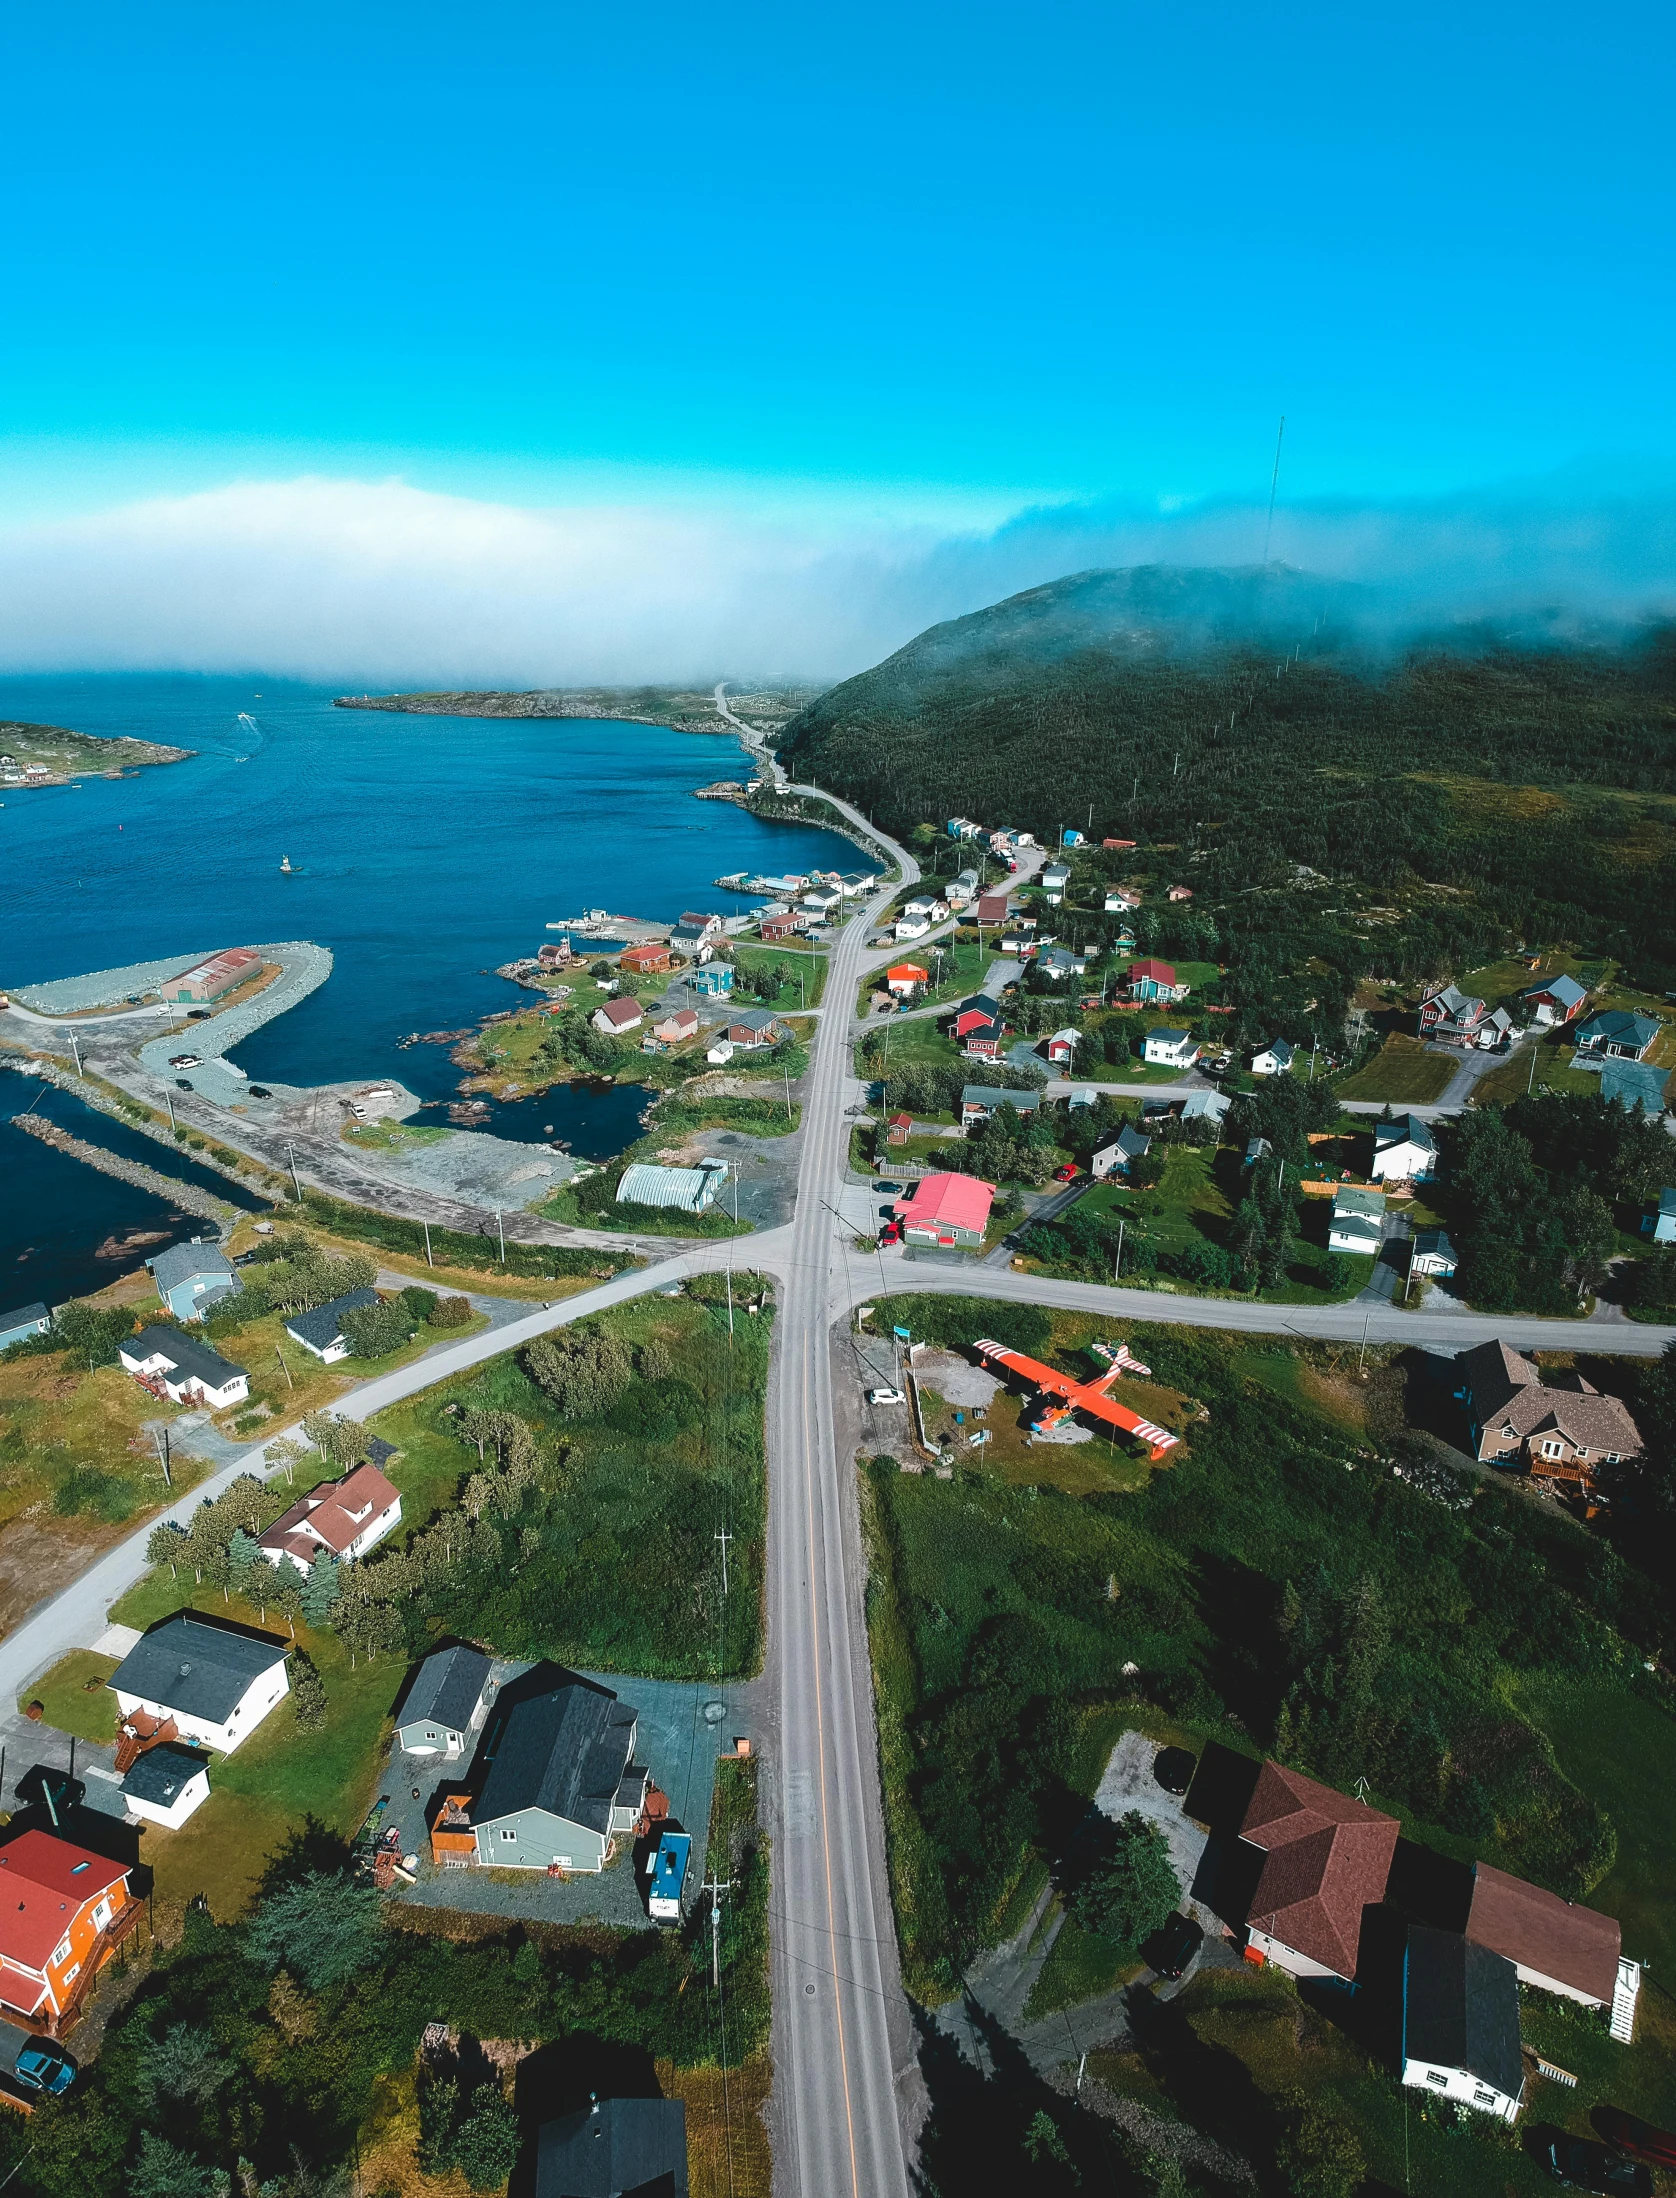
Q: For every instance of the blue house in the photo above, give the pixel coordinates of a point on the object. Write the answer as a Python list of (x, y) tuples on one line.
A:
[(1617, 1034), (1659, 1224), (190, 1278), (714, 980), (25, 1321)]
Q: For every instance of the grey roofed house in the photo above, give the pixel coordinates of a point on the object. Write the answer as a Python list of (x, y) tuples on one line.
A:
[(186, 1355), (161, 1774), (1407, 1129), (562, 1747), (1618, 1030), (1565, 992), (323, 1328), (616, 2148), (199, 1272), (1461, 2008), (991, 1098), (444, 1699), (22, 1321), (1206, 1106), (190, 1665)]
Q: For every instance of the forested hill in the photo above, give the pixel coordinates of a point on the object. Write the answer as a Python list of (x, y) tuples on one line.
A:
[(1241, 719)]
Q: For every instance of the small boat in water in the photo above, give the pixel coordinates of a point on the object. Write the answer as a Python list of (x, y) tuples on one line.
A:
[(285, 865)]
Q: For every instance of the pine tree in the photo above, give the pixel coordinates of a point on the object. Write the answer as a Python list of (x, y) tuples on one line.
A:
[(308, 1693), (321, 1589), (243, 1557)]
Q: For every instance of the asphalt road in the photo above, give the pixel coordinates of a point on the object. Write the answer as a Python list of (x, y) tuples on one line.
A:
[(845, 2072)]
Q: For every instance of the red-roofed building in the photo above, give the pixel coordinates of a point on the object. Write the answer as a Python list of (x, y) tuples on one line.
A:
[(1154, 980), (647, 960), (1554, 1944), (992, 908), (209, 980), (1327, 1858), (617, 1017), (904, 977), (899, 1129), (947, 1210), (348, 1517), (62, 1910)]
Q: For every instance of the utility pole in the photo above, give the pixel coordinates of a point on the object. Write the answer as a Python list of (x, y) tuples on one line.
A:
[(788, 1094), (1530, 1082), (296, 1184), (716, 1888), (1117, 1264), (429, 1261), (1362, 1354), (169, 1102), (500, 1227), (160, 1436), (1274, 483), (724, 1537), (76, 1050), (284, 1369)]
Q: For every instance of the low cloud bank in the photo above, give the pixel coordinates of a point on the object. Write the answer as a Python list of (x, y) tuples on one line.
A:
[(380, 583)]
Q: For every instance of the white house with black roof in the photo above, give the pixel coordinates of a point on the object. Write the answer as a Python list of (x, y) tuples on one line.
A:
[(183, 1369), (1460, 2022), (166, 1784), (216, 1684), (446, 1704), (321, 1331), (556, 1780)]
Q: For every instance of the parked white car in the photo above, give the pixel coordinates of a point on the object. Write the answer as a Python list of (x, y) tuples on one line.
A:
[(886, 1396)]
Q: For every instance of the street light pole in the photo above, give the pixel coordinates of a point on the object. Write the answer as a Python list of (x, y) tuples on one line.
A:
[(296, 1184)]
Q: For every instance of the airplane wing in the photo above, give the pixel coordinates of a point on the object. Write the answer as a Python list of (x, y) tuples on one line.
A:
[(1030, 1369), (1157, 1439)]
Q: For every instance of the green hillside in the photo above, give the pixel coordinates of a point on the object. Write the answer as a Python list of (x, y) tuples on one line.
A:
[(1244, 723)]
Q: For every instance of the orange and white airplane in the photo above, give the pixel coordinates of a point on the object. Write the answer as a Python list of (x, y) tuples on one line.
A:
[(1059, 1395)]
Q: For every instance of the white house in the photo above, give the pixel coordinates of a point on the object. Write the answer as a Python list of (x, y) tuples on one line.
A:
[(1433, 1254), (1175, 1048), (446, 1704), (165, 1784), (1273, 1060), (321, 1330), (183, 1369), (911, 927), (1358, 1221), (617, 1018), (823, 900), (216, 1685), (1404, 1151), (1660, 1222), (1055, 877), (720, 1053), (348, 1517), (1460, 2023)]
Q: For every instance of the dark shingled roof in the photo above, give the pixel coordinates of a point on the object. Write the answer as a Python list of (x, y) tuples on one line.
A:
[(563, 1750), (324, 1325), (160, 1775), (1461, 2008), (446, 1689), (188, 1664), (616, 2148), (23, 1313), (185, 1354)]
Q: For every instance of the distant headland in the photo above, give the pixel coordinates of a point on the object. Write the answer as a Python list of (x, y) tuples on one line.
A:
[(52, 755)]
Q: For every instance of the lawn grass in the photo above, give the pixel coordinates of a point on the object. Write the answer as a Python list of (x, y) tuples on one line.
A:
[(387, 1136), (956, 969), (753, 1117), (291, 1381), (70, 1704), (1080, 1966), (1402, 1072), (487, 1281), (809, 962), (904, 1040), (1623, 1748)]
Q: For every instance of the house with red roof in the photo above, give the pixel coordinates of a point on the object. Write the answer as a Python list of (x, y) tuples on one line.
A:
[(648, 960), (950, 1210), (348, 1517), (62, 1911), (617, 1018), (1154, 980), (1326, 1859), (1556, 1945), (905, 977)]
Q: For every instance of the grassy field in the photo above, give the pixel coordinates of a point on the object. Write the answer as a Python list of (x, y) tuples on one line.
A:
[(754, 1117), (290, 1381), (1079, 1967), (74, 1697), (1403, 1072), (394, 1136), (489, 1281), (809, 963), (955, 970), (901, 1040)]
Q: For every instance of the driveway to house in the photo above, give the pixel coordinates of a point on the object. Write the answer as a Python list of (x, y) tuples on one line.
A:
[(1470, 1066)]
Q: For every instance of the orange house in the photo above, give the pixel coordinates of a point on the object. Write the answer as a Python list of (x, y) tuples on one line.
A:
[(643, 960), (62, 1912)]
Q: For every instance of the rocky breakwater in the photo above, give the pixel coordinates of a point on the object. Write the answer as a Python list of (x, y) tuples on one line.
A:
[(187, 1196)]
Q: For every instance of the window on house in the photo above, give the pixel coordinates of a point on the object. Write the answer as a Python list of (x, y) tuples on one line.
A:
[(72, 1973), (1613, 1458), (1481, 2097), (1553, 1449), (61, 1952), (101, 1915), (1436, 2076), (506, 1832)]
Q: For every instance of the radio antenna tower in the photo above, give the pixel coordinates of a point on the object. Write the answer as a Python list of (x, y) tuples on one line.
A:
[(1274, 483)]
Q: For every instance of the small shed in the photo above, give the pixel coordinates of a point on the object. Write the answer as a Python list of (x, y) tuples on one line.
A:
[(446, 1704), (166, 1784)]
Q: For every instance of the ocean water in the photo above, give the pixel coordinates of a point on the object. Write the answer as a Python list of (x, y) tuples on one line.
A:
[(425, 851)]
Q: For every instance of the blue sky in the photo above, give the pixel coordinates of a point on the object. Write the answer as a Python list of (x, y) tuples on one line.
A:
[(972, 253)]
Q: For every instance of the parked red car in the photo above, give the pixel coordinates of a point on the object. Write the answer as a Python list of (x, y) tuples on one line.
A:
[(1068, 1173), (1630, 2134)]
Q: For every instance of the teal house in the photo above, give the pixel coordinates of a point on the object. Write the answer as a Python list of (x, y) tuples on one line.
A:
[(714, 980), (192, 1277), (24, 1321)]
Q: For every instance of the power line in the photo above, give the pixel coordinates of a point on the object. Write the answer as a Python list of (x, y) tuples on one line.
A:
[(1274, 483)]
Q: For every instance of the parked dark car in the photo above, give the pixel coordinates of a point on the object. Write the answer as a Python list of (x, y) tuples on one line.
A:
[(1173, 1945), (895, 1189), (42, 2067), (183, 1083), (260, 1091), (1580, 2165), (197, 1014), (1628, 2133)]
